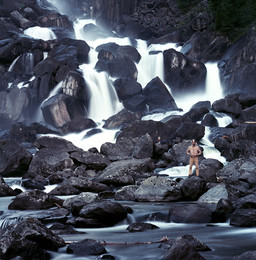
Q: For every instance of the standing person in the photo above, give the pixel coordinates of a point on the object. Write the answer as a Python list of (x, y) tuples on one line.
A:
[(194, 151)]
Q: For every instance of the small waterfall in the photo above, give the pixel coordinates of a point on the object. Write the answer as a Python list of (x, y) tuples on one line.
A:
[(103, 98), (151, 64), (42, 33)]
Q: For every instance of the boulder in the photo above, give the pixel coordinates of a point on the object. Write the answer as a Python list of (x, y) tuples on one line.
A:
[(227, 105), (213, 195), (126, 88), (5, 190), (126, 193), (13, 103), (249, 255), (190, 130), (139, 128), (86, 247), (243, 218), (49, 160), (190, 213), (158, 96), (95, 161), (107, 212), (121, 118), (246, 202), (210, 120), (158, 188), (29, 238), (77, 125), (61, 108), (63, 229), (86, 185), (136, 103), (183, 74), (190, 239), (55, 20), (119, 67), (14, 158), (196, 114), (140, 227), (223, 211), (248, 114), (28, 133), (143, 148), (34, 200), (121, 150), (125, 172), (182, 250), (192, 188), (76, 203)]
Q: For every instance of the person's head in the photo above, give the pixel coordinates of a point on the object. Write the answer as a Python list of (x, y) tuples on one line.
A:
[(193, 142)]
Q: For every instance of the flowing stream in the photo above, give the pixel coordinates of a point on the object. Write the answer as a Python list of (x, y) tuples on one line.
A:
[(224, 240)]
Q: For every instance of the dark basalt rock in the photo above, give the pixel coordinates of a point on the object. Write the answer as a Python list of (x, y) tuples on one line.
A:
[(127, 88), (158, 97), (140, 227), (183, 74), (109, 213), (86, 247), (29, 238), (14, 158), (34, 200), (237, 66)]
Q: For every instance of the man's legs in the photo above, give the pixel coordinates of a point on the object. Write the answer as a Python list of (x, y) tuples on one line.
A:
[(197, 167), (191, 161)]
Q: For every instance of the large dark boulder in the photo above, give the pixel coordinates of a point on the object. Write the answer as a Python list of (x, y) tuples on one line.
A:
[(49, 160), (136, 103), (5, 190), (192, 188), (119, 67), (112, 50), (158, 97), (14, 158), (190, 130), (190, 213), (139, 128), (77, 125), (181, 249), (121, 118), (127, 88), (121, 150), (95, 161), (107, 212), (243, 218), (143, 148), (34, 200), (223, 211), (29, 239), (227, 105), (237, 66), (86, 247), (183, 74)]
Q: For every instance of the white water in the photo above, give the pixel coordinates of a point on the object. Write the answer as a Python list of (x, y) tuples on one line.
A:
[(42, 33)]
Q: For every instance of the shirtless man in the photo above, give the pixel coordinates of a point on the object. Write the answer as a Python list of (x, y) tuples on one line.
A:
[(194, 151)]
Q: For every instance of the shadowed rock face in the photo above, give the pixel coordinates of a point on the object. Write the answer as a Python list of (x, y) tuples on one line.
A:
[(183, 74), (238, 64)]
